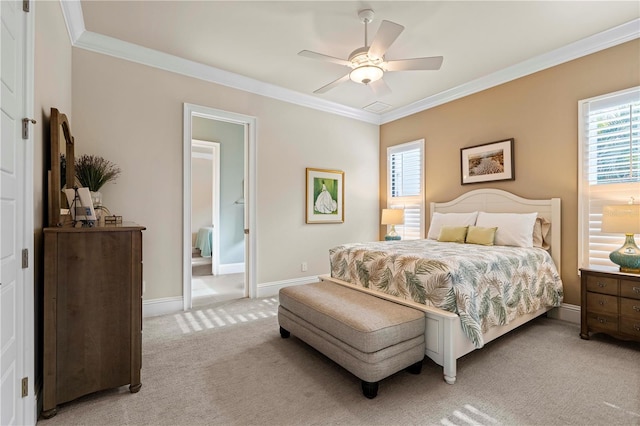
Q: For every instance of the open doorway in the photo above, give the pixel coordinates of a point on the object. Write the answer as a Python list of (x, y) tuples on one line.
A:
[(219, 174), (217, 224)]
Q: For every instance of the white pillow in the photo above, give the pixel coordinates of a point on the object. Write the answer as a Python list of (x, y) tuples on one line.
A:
[(514, 229), (438, 220)]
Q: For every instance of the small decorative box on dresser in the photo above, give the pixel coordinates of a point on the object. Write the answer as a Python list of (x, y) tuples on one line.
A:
[(92, 311), (610, 303)]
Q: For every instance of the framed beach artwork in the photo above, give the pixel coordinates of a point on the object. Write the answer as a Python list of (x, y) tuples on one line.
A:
[(487, 162), (325, 196)]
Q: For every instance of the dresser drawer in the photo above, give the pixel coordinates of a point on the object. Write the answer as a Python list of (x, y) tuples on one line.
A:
[(630, 308), (602, 303), (630, 326), (602, 322), (600, 284), (630, 289)]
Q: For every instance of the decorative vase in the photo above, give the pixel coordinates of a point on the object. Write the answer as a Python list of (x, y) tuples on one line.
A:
[(96, 199)]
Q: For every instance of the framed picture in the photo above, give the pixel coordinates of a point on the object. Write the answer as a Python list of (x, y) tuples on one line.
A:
[(325, 196), (487, 162), (80, 204)]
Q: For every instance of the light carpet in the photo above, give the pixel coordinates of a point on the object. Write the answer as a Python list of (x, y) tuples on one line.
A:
[(226, 364)]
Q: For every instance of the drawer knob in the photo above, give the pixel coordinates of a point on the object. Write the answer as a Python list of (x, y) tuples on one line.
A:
[(603, 285), (636, 308), (602, 320), (636, 327), (602, 302), (636, 289)]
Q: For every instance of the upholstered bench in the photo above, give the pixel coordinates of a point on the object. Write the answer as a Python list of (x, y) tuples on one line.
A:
[(371, 337)]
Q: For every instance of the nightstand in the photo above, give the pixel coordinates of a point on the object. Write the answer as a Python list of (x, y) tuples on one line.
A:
[(610, 303)]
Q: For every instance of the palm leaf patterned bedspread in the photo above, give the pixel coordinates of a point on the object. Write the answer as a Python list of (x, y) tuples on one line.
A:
[(485, 285)]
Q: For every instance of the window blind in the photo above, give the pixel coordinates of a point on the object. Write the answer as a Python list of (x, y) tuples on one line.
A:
[(609, 168), (405, 187)]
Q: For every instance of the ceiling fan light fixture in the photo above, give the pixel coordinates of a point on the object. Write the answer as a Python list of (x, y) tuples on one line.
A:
[(366, 74)]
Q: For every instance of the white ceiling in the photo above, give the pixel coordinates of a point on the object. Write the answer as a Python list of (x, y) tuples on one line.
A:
[(483, 43)]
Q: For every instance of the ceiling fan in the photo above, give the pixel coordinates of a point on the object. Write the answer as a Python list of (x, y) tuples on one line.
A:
[(368, 64)]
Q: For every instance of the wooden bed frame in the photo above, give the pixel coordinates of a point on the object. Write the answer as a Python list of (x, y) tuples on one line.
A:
[(445, 340)]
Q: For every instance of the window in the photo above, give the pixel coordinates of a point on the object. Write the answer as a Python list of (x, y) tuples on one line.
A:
[(609, 168), (405, 187)]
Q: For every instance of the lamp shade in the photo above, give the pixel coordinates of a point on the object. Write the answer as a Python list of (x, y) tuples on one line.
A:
[(621, 219), (392, 217)]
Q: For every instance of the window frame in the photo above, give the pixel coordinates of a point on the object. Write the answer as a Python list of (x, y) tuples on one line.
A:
[(413, 200), (592, 197)]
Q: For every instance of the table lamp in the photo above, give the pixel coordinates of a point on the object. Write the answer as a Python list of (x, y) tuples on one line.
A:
[(392, 217), (624, 219)]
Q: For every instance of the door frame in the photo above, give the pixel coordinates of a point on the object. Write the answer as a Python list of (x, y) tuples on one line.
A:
[(26, 409), (250, 161)]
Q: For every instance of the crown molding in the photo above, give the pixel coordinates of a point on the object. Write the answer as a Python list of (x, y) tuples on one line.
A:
[(131, 52), (73, 17), (604, 40), (81, 38)]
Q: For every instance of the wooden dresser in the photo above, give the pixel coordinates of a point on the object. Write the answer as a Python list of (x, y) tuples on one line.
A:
[(610, 303), (92, 311)]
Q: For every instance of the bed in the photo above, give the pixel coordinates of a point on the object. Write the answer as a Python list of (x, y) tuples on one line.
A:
[(511, 285), (204, 241)]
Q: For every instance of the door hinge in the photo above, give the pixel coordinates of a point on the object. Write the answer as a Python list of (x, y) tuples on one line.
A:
[(25, 258), (25, 127), (25, 387), (25, 5)]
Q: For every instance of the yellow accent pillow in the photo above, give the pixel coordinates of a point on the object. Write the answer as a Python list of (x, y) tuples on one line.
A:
[(453, 234), (480, 235)]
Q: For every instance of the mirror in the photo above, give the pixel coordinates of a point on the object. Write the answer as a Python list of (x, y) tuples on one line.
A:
[(61, 174)]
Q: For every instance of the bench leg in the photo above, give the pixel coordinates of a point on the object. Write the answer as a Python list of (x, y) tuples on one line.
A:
[(370, 389), (284, 333), (415, 368)]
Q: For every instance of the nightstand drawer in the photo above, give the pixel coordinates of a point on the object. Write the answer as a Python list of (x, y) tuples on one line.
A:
[(604, 285), (630, 326), (602, 303), (602, 322), (630, 289), (630, 308)]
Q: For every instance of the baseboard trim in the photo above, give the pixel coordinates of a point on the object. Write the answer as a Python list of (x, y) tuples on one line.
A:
[(231, 268), (272, 288), (171, 305), (566, 312), (168, 305), (162, 306)]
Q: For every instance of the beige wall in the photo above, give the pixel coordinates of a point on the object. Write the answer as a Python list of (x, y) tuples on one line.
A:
[(52, 87), (202, 194), (52, 79), (131, 114), (541, 112)]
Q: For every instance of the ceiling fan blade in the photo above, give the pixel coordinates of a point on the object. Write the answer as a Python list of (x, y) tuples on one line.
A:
[(380, 88), (314, 55), (431, 63), (386, 35), (331, 85)]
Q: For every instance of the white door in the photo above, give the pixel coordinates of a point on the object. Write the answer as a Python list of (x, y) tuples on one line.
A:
[(16, 332)]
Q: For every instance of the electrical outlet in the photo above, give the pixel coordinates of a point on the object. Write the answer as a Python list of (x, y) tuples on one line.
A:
[(303, 267)]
